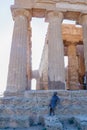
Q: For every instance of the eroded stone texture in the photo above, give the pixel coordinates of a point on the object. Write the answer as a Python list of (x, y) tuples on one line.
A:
[(56, 84), (17, 80), (72, 67), (81, 66), (72, 33), (84, 24), (30, 108), (53, 123), (56, 71), (29, 46)]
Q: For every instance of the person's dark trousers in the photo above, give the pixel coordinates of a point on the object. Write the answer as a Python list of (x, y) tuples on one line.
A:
[(85, 86), (52, 111)]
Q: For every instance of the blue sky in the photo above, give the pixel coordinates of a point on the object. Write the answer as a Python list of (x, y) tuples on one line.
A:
[(6, 25)]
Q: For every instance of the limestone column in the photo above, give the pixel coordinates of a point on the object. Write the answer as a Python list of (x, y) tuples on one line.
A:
[(29, 59), (84, 25), (81, 68), (72, 67), (43, 68), (17, 74), (56, 72)]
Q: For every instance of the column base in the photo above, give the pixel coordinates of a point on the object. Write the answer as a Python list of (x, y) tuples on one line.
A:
[(56, 85), (29, 85)]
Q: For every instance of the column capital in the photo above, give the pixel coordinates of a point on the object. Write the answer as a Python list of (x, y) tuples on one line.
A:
[(70, 43), (54, 16), (21, 12)]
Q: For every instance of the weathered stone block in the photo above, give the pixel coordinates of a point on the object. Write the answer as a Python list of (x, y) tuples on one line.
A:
[(53, 123), (81, 122)]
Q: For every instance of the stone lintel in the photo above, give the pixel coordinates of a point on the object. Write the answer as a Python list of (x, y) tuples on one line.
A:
[(76, 7), (72, 15), (38, 12), (66, 6), (24, 4)]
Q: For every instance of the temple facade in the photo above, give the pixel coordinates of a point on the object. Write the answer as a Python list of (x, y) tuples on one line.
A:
[(61, 40)]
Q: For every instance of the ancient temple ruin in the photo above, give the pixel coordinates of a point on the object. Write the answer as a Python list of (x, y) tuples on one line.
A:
[(23, 108), (61, 40)]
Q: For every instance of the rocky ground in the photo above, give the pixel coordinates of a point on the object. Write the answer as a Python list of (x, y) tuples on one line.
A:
[(39, 127), (66, 123), (70, 126), (67, 126)]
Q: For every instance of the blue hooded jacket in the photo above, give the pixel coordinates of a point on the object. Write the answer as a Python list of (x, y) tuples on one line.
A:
[(55, 99)]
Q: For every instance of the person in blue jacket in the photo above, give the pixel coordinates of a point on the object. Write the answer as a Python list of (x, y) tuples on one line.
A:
[(53, 103)]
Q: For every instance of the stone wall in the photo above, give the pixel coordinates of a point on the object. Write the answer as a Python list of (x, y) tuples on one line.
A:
[(72, 102), (37, 102), (30, 108)]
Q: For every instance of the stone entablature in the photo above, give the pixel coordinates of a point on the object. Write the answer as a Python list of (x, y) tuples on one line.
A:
[(66, 6)]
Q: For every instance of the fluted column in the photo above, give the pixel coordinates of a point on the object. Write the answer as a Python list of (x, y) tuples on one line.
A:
[(56, 72), (29, 53), (84, 25), (81, 68), (43, 68), (17, 74), (72, 67)]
